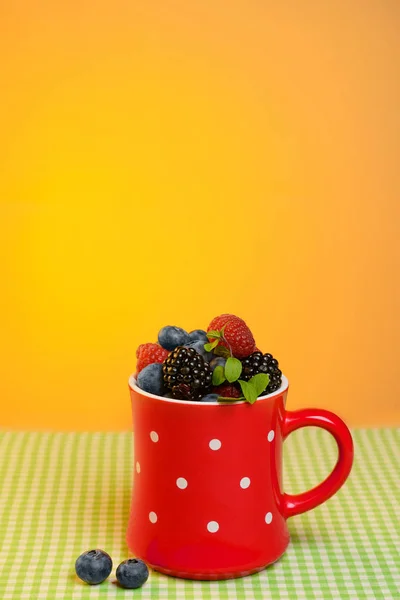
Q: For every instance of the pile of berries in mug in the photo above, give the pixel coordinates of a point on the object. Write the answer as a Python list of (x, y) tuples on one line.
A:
[(220, 364)]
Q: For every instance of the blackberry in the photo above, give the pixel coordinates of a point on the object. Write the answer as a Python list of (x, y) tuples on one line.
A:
[(187, 374), (262, 363)]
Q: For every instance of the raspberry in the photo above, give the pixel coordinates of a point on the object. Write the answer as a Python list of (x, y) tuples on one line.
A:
[(236, 333), (148, 354), (227, 391)]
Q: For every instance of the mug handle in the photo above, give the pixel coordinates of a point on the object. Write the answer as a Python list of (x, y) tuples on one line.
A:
[(299, 503)]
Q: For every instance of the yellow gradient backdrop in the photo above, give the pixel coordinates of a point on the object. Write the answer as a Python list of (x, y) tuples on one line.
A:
[(163, 162)]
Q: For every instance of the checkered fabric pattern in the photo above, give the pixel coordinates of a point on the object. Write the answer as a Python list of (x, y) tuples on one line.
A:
[(63, 493)]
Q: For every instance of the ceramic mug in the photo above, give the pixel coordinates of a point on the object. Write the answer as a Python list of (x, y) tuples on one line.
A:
[(207, 497)]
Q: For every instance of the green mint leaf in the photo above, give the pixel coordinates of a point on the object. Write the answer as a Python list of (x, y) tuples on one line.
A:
[(222, 351), (233, 368), (214, 334), (249, 391), (218, 376), (260, 382), (211, 345)]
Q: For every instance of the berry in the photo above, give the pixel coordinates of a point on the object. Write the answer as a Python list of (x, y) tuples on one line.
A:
[(171, 337), (147, 354), (186, 374), (198, 345), (93, 566), (262, 363), (218, 361), (132, 573), (198, 334), (209, 398), (237, 336), (150, 379), (227, 390)]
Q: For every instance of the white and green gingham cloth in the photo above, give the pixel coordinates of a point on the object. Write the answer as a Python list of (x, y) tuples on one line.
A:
[(64, 493)]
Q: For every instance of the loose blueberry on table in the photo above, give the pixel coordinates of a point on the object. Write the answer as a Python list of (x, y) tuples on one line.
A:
[(221, 364), (93, 566), (132, 573)]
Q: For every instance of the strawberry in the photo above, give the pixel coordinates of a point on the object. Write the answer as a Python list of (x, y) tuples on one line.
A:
[(236, 336)]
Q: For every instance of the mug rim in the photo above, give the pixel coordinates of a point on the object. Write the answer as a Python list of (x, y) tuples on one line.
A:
[(133, 386)]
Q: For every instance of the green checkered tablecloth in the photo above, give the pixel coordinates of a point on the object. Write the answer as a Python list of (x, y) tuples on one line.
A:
[(63, 493)]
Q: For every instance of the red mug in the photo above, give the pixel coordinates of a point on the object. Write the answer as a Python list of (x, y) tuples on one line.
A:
[(207, 492)]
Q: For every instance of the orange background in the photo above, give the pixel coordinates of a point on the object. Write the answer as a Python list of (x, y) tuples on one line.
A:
[(163, 162)]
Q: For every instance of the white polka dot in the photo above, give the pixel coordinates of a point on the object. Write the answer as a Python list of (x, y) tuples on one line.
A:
[(268, 518), (153, 517), (213, 526), (138, 467), (245, 482), (215, 444), (182, 483), (154, 436), (271, 435)]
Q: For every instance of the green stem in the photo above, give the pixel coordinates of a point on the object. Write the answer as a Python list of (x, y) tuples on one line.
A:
[(226, 399), (229, 346)]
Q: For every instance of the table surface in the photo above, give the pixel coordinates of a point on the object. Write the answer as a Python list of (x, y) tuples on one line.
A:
[(63, 493)]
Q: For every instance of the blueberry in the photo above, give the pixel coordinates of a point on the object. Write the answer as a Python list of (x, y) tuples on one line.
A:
[(132, 573), (217, 361), (93, 566), (198, 334), (150, 379), (170, 337), (198, 345), (209, 398)]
